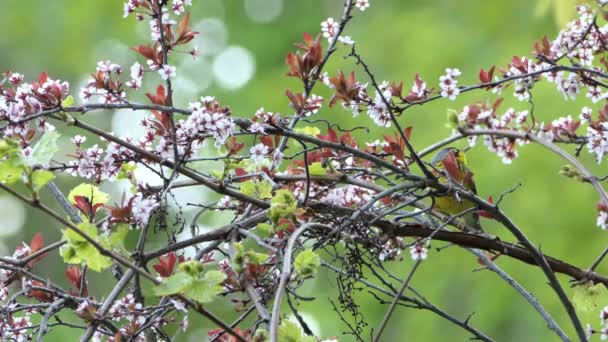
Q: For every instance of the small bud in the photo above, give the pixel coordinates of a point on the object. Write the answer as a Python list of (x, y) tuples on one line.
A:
[(570, 171), (452, 117)]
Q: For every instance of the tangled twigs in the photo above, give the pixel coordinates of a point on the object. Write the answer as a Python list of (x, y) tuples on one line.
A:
[(286, 198)]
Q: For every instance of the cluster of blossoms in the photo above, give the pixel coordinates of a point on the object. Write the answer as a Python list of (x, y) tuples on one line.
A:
[(105, 84), (94, 163), (137, 76), (449, 83), (128, 309), (16, 328), (330, 27), (142, 208), (349, 196), (19, 101), (484, 115), (392, 249), (208, 118), (354, 97)]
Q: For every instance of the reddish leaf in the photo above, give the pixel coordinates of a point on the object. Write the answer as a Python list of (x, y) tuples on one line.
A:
[(75, 277), (484, 213), (182, 26), (331, 136), (42, 296), (37, 242), (43, 77), (146, 51), (346, 88), (166, 264), (486, 76), (451, 167), (234, 146), (267, 141), (160, 97), (408, 132)]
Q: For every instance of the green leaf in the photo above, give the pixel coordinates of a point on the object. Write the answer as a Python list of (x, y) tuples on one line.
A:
[(290, 332), (206, 289), (257, 189), (68, 101), (590, 297), (11, 170), (192, 267), (307, 263), (94, 259), (282, 205), (256, 258), (174, 284), (89, 191), (115, 241), (264, 230), (316, 169), (8, 147), (44, 150), (40, 178), (80, 251), (248, 187), (452, 119)]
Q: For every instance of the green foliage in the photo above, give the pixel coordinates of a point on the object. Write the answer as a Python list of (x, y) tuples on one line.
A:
[(590, 298), (307, 263), (44, 150), (257, 189), (452, 119), (316, 169), (40, 178), (80, 251), (264, 230), (10, 162), (190, 280), (243, 257), (261, 335), (68, 101), (115, 241), (13, 165), (290, 332), (282, 205)]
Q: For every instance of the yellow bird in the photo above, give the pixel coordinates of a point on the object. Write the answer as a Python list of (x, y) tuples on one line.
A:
[(454, 171)]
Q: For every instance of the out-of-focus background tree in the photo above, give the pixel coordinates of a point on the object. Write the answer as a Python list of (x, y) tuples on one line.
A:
[(243, 44)]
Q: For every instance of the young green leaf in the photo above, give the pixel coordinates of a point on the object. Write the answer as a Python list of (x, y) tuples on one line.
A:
[(206, 288), (174, 284), (307, 263), (290, 332), (80, 251), (44, 150), (316, 169), (40, 178), (590, 297)]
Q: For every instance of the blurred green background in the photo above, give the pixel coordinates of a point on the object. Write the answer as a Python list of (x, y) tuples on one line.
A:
[(243, 45)]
